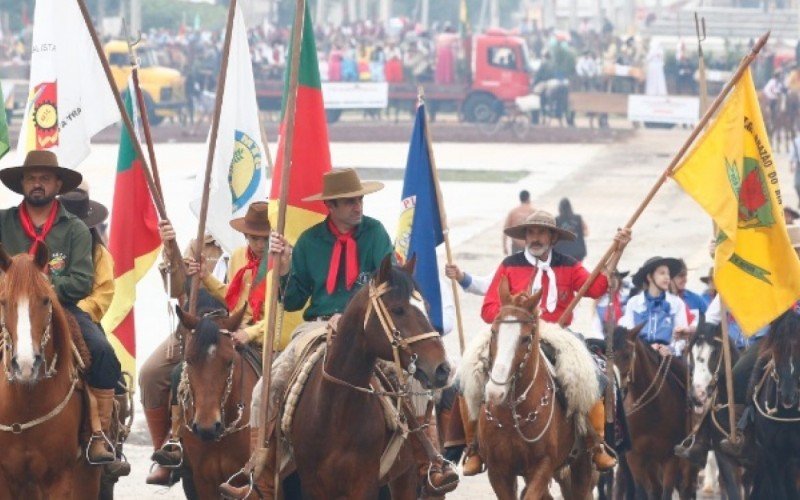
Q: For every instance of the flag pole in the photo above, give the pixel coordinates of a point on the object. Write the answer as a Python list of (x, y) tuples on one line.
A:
[(726, 358), (700, 28), (443, 219), (126, 120), (212, 148), (667, 172)]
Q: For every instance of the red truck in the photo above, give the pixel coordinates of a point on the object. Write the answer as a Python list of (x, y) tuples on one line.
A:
[(500, 71)]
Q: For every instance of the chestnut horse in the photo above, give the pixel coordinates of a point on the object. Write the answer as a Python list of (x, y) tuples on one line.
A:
[(339, 431), (41, 409), (215, 392), (655, 403), (524, 429)]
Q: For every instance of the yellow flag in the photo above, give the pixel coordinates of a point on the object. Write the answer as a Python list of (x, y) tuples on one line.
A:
[(731, 174)]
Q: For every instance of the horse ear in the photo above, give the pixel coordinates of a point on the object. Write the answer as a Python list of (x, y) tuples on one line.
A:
[(531, 302), (5, 259), (188, 320), (504, 290), (634, 332), (385, 271), (233, 321), (411, 264), (42, 256)]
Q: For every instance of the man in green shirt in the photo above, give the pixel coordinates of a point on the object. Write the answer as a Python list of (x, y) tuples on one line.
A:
[(329, 263), (41, 220)]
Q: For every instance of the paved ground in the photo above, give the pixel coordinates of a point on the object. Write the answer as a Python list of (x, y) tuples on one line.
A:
[(604, 182)]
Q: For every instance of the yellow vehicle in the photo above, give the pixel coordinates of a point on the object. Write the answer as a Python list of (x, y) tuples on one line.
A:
[(163, 88)]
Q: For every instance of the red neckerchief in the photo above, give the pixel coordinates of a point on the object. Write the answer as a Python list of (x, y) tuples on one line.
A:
[(256, 298), (346, 242), (30, 229)]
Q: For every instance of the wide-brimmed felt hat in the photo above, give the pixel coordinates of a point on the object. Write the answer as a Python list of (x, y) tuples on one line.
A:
[(674, 265), (12, 176), (539, 218), (344, 183), (710, 276), (255, 221), (794, 235), (77, 202)]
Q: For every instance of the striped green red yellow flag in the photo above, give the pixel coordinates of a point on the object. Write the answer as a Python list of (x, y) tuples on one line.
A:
[(134, 243), (310, 157)]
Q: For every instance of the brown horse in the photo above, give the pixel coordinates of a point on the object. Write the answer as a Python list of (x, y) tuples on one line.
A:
[(41, 409), (215, 391), (339, 431), (780, 118), (525, 429), (655, 403)]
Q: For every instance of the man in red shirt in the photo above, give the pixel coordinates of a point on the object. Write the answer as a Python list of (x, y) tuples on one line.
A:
[(539, 267)]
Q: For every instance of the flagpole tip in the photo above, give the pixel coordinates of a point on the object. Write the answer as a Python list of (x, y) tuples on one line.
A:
[(761, 42), (420, 95)]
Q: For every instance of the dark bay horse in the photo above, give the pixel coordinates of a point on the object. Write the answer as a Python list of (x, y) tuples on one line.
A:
[(656, 407), (215, 392), (775, 390), (707, 394), (339, 431), (41, 408), (524, 429)]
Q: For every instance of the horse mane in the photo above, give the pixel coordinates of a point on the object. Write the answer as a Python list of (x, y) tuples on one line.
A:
[(205, 335), (677, 367), (782, 331)]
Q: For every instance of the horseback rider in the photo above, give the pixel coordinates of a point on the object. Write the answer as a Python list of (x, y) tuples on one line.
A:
[(662, 313), (329, 263), (773, 90), (246, 287), (155, 376), (539, 267), (42, 220)]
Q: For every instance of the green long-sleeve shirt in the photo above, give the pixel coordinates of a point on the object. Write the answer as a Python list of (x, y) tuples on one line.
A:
[(70, 245), (311, 261)]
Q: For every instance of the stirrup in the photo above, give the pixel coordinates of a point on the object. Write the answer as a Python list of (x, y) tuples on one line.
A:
[(250, 483), (167, 447), (102, 436), (428, 475), (685, 445)]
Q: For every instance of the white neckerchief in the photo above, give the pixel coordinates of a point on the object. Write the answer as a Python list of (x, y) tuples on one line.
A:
[(543, 267)]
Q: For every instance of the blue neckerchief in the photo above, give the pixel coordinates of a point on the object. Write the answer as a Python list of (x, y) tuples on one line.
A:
[(657, 318)]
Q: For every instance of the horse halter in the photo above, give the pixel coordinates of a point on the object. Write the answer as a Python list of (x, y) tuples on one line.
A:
[(7, 346), (527, 320), (396, 340)]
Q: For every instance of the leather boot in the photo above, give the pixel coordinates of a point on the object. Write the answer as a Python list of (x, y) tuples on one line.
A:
[(101, 406), (744, 448), (597, 419), (262, 463), (170, 454), (695, 448), (473, 464), (437, 475), (158, 423)]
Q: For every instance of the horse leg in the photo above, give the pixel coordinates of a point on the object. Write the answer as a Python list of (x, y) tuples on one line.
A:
[(669, 478), (730, 478), (404, 486), (539, 481), (504, 485), (582, 476)]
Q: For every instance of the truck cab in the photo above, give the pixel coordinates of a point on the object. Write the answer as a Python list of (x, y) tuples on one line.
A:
[(163, 88), (501, 72)]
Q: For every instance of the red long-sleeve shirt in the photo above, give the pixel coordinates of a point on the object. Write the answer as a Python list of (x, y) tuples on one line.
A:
[(570, 277)]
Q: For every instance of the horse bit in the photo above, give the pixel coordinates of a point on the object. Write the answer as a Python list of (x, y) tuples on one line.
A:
[(511, 382), (6, 347)]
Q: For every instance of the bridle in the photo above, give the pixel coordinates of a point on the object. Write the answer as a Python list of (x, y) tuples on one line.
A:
[(767, 411), (547, 398), (7, 346), (185, 392), (654, 389), (713, 383), (398, 342)]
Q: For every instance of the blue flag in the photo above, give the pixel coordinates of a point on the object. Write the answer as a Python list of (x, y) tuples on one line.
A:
[(420, 228)]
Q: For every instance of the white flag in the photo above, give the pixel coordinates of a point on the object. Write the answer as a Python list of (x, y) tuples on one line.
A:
[(69, 99), (238, 177)]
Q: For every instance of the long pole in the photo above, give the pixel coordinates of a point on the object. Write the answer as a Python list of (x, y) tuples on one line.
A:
[(726, 359), (668, 172), (443, 219), (126, 120), (700, 27), (272, 304), (212, 148)]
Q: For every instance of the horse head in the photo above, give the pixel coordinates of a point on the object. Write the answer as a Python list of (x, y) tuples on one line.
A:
[(783, 344), (625, 341), (705, 361), (513, 340), (396, 323), (26, 302), (209, 368)]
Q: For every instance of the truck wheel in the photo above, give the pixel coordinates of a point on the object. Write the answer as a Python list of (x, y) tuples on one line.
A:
[(333, 115), (482, 108)]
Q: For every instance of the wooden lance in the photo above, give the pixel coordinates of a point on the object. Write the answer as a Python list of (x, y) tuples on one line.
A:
[(667, 172)]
